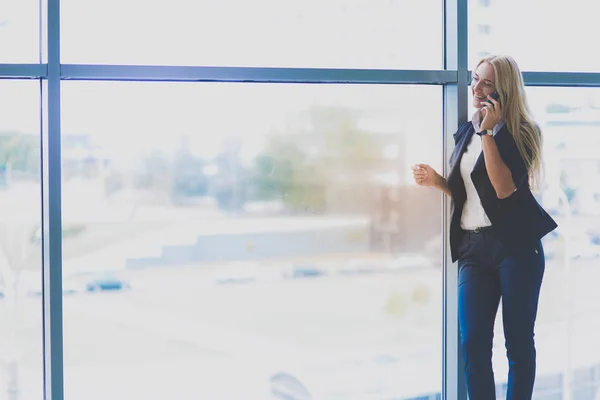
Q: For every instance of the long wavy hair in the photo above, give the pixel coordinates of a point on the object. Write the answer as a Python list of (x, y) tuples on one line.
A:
[(517, 114)]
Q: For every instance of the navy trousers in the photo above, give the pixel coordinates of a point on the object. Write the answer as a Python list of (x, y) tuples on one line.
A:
[(486, 275)]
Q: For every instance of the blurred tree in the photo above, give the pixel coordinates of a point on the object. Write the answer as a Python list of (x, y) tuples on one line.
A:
[(17, 251), (188, 179), (277, 170), (18, 153), (305, 165), (155, 171)]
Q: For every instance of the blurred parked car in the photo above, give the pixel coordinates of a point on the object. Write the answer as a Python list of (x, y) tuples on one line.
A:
[(105, 281), (237, 273), (286, 386), (303, 271)]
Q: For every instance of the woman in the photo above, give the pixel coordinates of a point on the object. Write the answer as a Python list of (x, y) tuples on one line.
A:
[(496, 226)]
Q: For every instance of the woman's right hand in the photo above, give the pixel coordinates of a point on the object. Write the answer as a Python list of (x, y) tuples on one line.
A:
[(424, 175)]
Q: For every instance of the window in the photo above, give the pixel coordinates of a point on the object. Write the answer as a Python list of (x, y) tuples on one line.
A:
[(20, 251), (252, 234), (540, 34), (332, 34), (267, 239), (19, 31), (568, 310)]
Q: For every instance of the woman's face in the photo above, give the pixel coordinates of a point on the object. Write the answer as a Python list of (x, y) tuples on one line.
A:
[(482, 84)]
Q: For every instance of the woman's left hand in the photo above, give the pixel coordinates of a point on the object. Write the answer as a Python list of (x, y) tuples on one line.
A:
[(491, 113)]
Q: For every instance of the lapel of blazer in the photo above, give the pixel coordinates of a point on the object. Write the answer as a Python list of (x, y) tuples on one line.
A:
[(461, 147)]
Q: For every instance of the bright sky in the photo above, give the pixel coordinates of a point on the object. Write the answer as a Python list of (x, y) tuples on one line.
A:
[(309, 33)]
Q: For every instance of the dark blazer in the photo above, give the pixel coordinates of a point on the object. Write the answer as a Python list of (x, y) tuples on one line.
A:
[(518, 219)]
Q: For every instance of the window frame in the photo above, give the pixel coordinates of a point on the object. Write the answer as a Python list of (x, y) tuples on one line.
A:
[(454, 78)]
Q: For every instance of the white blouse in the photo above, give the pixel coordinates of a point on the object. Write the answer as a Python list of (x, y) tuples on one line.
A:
[(473, 215)]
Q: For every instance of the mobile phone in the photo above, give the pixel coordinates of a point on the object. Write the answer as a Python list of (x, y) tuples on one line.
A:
[(494, 96)]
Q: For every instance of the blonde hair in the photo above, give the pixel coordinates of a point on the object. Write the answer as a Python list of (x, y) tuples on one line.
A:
[(517, 114)]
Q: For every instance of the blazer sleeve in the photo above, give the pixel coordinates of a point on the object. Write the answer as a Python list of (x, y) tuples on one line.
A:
[(517, 167), (522, 219), (515, 162)]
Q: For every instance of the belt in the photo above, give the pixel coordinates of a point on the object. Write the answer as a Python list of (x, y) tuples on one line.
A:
[(477, 230)]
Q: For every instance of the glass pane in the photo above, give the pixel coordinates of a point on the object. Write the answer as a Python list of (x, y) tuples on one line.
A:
[(262, 237), (539, 34), (569, 312), (20, 252), (272, 33), (19, 31)]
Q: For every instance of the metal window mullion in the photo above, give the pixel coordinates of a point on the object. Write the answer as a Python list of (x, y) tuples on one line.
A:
[(22, 71), (254, 74), (51, 208), (455, 112), (562, 79), (286, 75), (559, 79)]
